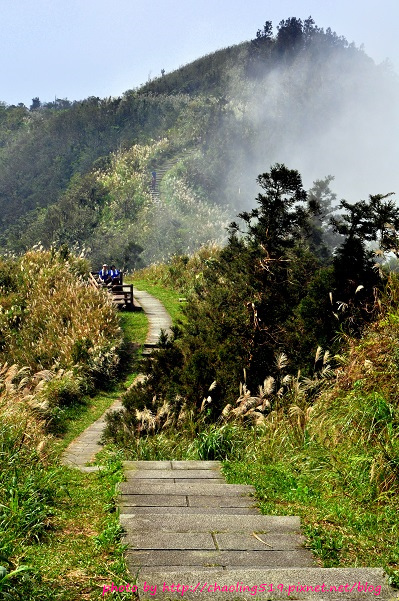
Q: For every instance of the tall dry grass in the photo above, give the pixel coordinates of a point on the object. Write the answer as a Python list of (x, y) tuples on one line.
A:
[(51, 319), (58, 337)]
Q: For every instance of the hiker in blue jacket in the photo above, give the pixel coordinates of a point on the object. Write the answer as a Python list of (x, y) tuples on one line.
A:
[(104, 274), (115, 275)]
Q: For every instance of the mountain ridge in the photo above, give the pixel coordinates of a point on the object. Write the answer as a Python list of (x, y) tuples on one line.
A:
[(303, 96)]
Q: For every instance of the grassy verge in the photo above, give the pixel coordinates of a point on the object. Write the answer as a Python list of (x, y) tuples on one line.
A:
[(63, 523), (79, 417), (343, 529), (135, 326), (81, 553)]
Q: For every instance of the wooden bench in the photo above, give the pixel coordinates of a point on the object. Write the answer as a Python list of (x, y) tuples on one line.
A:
[(122, 294)]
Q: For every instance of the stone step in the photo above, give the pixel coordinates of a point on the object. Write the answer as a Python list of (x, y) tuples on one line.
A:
[(211, 523), (134, 511), (177, 481), (181, 488), (186, 527), (306, 584), (171, 474), (176, 465), (161, 171), (215, 542), (196, 465), (185, 501), (202, 558)]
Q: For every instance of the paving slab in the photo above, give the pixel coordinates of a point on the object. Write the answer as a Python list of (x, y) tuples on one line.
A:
[(220, 542), (203, 558), (155, 500), (195, 465), (182, 488), (170, 541), (90, 469), (169, 474), (159, 319), (174, 480), (211, 523), (214, 480), (184, 500), (260, 542), (270, 584), (134, 511), (219, 501), (147, 465), (176, 465)]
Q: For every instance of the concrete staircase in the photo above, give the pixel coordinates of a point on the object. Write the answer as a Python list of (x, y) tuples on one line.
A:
[(164, 168), (190, 533)]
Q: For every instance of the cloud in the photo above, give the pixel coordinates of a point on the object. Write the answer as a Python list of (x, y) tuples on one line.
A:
[(325, 113)]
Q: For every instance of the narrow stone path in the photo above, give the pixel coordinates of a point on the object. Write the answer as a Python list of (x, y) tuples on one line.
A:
[(185, 527), (84, 448), (159, 319), (189, 533)]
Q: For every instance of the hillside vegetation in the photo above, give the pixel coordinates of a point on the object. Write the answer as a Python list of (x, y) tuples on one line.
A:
[(285, 366), (60, 342), (323, 446), (80, 172), (274, 288), (283, 361)]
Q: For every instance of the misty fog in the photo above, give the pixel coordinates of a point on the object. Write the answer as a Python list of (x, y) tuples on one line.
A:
[(327, 113)]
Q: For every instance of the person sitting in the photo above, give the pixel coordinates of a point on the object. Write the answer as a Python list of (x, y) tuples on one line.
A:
[(104, 275), (115, 275)]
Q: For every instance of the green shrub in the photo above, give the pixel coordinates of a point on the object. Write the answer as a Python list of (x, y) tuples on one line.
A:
[(219, 443), (63, 392), (27, 484)]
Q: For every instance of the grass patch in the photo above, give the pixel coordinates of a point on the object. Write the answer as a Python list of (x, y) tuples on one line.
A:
[(135, 326), (211, 443), (135, 329), (344, 525), (82, 551), (80, 417)]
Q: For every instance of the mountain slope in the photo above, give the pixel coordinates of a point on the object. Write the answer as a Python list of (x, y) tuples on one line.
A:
[(304, 97)]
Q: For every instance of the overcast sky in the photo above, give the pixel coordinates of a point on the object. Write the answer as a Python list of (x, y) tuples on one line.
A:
[(79, 48)]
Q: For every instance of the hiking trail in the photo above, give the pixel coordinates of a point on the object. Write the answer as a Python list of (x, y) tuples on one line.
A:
[(188, 532)]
